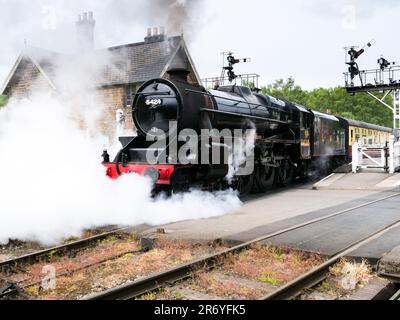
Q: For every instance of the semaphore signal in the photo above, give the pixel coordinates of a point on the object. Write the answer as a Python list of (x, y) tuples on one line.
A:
[(384, 80)]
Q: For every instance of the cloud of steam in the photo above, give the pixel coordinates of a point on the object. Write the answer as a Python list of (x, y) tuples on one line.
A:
[(51, 24), (178, 16), (52, 183), (241, 159)]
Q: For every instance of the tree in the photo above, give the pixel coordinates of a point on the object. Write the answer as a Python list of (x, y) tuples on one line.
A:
[(3, 101), (334, 100), (286, 90)]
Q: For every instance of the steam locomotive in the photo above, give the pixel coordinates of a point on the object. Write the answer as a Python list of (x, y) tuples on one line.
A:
[(290, 140)]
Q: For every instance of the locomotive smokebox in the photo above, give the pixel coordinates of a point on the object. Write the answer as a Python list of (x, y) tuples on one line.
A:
[(178, 74)]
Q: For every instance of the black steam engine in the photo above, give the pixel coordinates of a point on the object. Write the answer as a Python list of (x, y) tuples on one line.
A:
[(289, 140)]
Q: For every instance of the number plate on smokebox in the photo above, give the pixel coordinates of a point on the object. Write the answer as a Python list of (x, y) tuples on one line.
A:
[(153, 102)]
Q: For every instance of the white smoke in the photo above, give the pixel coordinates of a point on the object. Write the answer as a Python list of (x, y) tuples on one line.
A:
[(54, 186), (52, 183), (241, 158)]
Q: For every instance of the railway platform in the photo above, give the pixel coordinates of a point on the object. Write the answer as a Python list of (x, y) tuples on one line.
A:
[(371, 180)]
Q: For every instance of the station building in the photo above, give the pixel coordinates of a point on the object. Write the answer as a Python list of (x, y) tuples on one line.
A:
[(130, 66)]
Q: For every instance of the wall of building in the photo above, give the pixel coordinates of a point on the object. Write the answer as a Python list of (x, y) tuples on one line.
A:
[(27, 79), (112, 99)]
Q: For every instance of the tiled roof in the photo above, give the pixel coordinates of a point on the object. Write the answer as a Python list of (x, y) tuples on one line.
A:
[(140, 61), (47, 60), (131, 63)]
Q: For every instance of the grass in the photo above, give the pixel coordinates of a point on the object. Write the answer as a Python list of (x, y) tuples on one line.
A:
[(115, 272), (344, 278), (270, 279), (236, 277), (346, 273), (267, 265), (325, 286), (149, 296), (33, 290), (111, 238), (277, 253), (224, 289), (178, 295), (52, 254), (270, 264)]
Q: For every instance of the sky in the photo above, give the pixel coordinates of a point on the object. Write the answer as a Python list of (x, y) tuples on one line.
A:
[(303, 39)]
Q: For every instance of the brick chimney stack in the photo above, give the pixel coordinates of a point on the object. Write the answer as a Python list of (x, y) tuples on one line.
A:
[(155, 35), (85, 31)]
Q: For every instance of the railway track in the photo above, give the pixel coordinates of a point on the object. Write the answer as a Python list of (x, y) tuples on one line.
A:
[(312, 278), (289, 291), (396, 296), (58, 250), (11, 289), (393, 277)]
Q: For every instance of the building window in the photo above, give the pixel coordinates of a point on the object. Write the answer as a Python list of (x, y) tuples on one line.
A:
[(130, 91)]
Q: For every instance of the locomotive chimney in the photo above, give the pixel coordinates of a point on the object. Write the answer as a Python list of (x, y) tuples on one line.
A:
[(85, 31), (179, 74), (162, 31)]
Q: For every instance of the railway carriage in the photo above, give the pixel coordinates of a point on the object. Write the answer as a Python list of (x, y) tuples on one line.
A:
[(366, 134)]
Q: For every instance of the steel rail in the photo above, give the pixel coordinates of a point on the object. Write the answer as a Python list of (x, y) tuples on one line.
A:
[(315, 276), (137, 288), (396, 296), (392, 277), (72, 246), (17, 289)]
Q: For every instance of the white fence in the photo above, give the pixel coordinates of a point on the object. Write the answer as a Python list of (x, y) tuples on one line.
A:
[(389, 160), (394, 158)]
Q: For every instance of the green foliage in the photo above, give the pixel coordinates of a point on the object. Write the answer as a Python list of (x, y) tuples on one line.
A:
[(3, 101), (325, 286), (270, 279), (286, 90), (335, 100)]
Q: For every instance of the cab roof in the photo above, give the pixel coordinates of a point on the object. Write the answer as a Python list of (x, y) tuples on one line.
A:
[(365, 125)]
